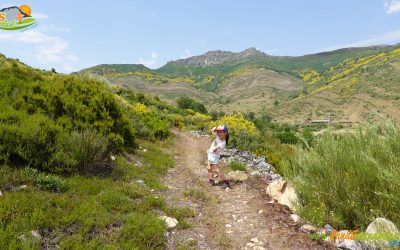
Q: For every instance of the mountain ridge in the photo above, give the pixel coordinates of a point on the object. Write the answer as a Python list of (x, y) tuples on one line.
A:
[(289, 88)]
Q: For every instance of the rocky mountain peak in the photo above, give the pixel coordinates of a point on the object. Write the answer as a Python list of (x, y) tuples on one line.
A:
[(217, 57)]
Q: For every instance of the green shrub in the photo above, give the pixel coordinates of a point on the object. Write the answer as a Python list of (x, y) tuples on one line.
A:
[(234, 165), (349, 179), (189, 103), (198, 121), (38, 107), (51, 183), (47, 182), (26, 139), (85, 152)]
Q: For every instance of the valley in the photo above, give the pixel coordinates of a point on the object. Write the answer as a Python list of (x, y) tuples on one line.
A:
[(352, 84)]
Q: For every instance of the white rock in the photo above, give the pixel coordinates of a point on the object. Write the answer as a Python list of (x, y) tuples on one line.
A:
[(289, 198), (1, 194), (237, 175), (328, 229), (250, 244), (275, 188), (347, 243), (295, 218), (144, 150), (36, 234), (260, 211), (228, 225), (307, 228), (254, 240), (112, 158), (23, 187), (256, 173), (141, 182), (170, 222), (259, 248), (380, 225)]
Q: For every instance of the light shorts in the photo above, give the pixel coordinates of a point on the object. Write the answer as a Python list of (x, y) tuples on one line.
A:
[(213, 158)]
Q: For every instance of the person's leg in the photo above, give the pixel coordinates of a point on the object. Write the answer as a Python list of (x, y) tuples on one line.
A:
[(223, 177), (209, 170), (210, 174)]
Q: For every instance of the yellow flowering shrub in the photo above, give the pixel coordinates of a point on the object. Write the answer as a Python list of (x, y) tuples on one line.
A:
[(236, 124), (140, 108), (310, 75), (243, 133)]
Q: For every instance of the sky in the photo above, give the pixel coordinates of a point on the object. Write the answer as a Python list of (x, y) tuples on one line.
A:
[(73, 35)]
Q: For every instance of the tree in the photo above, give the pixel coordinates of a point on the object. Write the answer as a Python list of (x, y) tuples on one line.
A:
[(189, 103)]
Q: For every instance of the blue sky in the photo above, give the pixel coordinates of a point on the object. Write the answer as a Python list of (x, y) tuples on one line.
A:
[(77, 34)]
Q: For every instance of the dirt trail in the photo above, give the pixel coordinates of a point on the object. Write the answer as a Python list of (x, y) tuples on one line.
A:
[(226, 219)]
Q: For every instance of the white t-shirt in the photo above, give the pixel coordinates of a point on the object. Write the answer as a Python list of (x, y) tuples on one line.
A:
[(217, 142)]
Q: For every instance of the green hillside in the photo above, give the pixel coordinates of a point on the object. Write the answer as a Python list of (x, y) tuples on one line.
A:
[(106, 69), (81, 162), (289, 88), (209, 77), (352, 89)]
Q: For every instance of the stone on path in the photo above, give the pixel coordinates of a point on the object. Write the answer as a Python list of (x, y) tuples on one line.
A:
[(347, 243), (170, 222), (254, 240), (295, 218), (307, 228), (282, 192), (275, 188), (289, 198)]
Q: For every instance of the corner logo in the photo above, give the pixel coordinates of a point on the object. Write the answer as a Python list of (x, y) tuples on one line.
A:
[(17, 18)]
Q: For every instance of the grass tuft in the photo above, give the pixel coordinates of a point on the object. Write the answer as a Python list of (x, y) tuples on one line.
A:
[(347, 180), (234, 165)]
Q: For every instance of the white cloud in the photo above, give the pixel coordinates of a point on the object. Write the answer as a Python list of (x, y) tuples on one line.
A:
[(392, 6), (150, 62), (187, 54), (386, 38), (48, 49), (6, 5), (38, 15)]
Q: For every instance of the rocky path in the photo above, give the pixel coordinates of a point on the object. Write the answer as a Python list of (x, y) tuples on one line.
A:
[(241, 217)]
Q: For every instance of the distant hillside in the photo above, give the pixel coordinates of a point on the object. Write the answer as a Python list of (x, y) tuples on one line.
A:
[(106, 69), (290, 88), (353, 89)]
